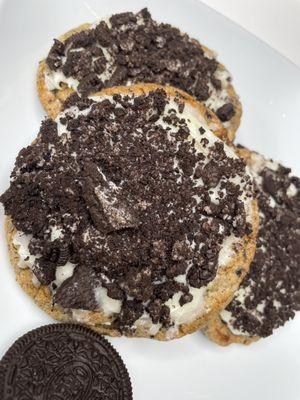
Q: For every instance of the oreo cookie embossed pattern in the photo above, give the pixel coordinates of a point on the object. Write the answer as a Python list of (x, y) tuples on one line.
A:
[(63, 361)]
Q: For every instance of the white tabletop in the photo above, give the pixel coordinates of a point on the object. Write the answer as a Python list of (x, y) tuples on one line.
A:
[(277, 22)]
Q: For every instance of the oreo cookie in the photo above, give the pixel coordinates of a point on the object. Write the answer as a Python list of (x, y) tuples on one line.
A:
[(63, 361)]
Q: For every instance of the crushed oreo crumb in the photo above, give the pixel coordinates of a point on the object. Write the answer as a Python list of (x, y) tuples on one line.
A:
[(133, 48), (118, 179), (226, 112), (270, 293)]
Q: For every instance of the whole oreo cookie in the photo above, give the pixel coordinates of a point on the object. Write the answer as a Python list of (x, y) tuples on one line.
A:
[(63, 361)]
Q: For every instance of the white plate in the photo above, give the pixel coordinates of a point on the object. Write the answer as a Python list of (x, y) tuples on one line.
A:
[(190, 368)]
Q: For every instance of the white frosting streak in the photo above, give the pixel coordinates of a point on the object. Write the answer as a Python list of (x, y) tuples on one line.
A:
[(227, 251), (227, 317), (54, 79), (21, 241), (63, 272), (217, 98), (106, 304), (291, 190), (188, 312)]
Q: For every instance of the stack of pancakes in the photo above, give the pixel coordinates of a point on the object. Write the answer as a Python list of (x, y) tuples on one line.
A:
[(133, 212)]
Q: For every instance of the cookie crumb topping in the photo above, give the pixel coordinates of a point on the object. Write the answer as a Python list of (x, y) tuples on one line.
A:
[(129, 205), (131, 48), (270, 293)]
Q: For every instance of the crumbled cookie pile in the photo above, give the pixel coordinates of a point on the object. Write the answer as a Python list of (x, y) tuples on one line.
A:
[(131, 48), (116, 188), (270, 294), (128, 204)]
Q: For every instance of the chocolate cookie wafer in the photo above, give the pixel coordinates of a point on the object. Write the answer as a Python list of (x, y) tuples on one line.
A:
[(63, 361), (270, 294), (130, 215), (131, 48)]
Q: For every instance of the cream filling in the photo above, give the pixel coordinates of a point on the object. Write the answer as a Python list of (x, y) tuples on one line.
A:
[(26, 260), (229, 319), (54, 79), (228, 251), (56, 233), (179, 314), (242, 293), (188, 312), (291, 190)]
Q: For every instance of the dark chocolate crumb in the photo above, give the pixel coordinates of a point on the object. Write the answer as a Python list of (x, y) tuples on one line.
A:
[(273, 282), (138, 49), (226, 112), (128, 217)]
